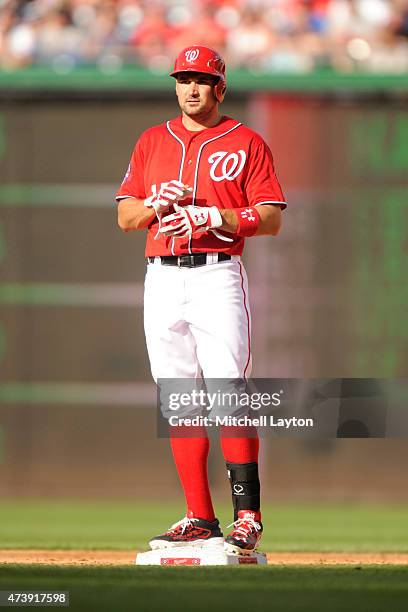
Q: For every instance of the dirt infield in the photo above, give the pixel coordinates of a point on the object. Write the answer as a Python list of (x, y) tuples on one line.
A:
[(112, 558)]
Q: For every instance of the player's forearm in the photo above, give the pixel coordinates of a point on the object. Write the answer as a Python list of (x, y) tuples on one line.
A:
[(270, 220), (134, 215), (269, 223)]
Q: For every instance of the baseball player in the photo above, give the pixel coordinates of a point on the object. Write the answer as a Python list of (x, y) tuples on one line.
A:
[(201, 184)]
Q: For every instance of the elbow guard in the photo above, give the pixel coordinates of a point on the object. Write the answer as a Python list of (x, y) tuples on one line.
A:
[(248, 221)]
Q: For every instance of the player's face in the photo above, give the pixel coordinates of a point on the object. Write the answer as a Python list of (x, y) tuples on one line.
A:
[(195, 93)]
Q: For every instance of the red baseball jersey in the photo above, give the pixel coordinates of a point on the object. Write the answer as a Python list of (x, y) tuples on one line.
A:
[(229, 166)]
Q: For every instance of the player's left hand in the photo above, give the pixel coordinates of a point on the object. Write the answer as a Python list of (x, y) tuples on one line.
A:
[(190, 219)]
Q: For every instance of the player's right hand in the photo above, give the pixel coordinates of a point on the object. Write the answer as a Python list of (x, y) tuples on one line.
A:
[(169, 194)]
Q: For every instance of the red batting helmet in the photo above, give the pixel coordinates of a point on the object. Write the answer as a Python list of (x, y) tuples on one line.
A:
[(202, 59)]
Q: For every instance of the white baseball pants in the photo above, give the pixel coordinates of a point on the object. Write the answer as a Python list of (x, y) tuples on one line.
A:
[(197, 320)]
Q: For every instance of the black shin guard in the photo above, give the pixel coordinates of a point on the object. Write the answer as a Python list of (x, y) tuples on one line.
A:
[(245, 486)]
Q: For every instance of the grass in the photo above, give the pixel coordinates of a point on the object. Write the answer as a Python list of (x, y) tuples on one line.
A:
[(371, 589), (128, 526)]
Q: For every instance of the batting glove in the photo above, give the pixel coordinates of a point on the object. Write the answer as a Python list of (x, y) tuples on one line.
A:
[(169, 194), (191, 219)]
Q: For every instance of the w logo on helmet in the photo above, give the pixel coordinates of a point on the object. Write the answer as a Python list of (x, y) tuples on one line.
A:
[(192, 55)]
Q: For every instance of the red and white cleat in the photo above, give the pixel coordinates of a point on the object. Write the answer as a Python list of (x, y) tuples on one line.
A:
[(189, 532), (247, 532)]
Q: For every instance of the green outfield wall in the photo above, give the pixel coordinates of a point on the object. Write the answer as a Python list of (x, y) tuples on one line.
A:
[(134, 78), (329, 294)]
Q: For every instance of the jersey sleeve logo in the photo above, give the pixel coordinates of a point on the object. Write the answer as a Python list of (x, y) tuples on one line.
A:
[(231, 166)]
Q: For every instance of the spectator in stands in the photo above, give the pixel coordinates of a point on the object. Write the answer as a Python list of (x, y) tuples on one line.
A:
[(285, 35), (57, 39), (151, 38), (201, 29), (17, 38), (251, 41)]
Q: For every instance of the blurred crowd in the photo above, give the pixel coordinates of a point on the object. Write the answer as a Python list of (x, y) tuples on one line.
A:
[(261, 35)]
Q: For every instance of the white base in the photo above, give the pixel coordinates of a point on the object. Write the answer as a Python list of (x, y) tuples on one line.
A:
[(190, 555)]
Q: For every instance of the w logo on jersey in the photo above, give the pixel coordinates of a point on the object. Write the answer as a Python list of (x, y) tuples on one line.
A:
[(226, 166), (192, 54)]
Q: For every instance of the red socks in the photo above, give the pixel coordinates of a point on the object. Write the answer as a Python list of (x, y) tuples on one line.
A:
[(240, 444), (190, 456)]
